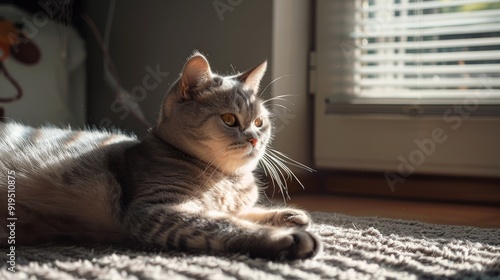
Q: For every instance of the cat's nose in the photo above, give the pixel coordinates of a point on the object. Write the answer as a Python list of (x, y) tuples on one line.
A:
[(253, 141)]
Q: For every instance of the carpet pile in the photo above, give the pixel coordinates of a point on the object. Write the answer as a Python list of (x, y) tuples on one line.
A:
[(354, 248)]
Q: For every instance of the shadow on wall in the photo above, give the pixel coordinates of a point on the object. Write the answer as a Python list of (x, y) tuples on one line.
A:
[(150, 50)]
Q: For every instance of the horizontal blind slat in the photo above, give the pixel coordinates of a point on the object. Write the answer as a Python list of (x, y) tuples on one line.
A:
[(422, 5), (431, 93), (381, 31), (427, 83), (452, 43), (429, 70), (433, 57), (426, 23), (431, 18)]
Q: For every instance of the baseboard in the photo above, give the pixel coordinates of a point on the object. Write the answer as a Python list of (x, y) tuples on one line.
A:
[(421, 187), (476, 190)]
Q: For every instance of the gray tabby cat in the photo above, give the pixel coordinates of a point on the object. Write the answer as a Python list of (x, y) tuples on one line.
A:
[(188, 185)]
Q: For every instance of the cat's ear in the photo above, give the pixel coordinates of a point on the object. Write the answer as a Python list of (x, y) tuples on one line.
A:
[(251, 78), (196, 71)]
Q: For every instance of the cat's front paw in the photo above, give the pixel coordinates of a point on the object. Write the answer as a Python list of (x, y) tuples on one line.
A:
[(291, 218), (289, 244)]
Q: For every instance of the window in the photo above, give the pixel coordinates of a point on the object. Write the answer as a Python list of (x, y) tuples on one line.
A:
[(414, 52), (392, 74)]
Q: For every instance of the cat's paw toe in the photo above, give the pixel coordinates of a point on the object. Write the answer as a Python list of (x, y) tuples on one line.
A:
[(305, 245), (292, 218), (292, 245)]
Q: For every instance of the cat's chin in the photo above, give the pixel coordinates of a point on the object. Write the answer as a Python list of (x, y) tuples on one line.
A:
[(247, 157), (244, 151), (241, 162), (244, 169)]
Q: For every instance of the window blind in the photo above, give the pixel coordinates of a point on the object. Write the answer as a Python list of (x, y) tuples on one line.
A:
[(394, 52)]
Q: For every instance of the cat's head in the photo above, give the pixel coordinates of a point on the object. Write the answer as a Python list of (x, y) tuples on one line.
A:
[(218, 119)]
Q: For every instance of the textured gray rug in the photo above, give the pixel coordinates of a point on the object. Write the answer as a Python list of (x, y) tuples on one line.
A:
[(355, 248)]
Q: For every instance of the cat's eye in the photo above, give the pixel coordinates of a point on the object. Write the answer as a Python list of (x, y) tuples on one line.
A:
[(258, 122), (229, 119)]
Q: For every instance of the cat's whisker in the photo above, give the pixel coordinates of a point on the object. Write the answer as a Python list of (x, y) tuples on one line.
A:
[(201, 186), (278, 176), (211, 161), (234, 69), (280, 98), (275, 164), (275, 80), (265, 166), (278, 164), (267, 170), (279, 105), (287, 170), (285, 158)]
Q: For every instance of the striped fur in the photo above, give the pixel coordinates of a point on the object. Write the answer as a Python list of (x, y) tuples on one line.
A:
[(187, 185)]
